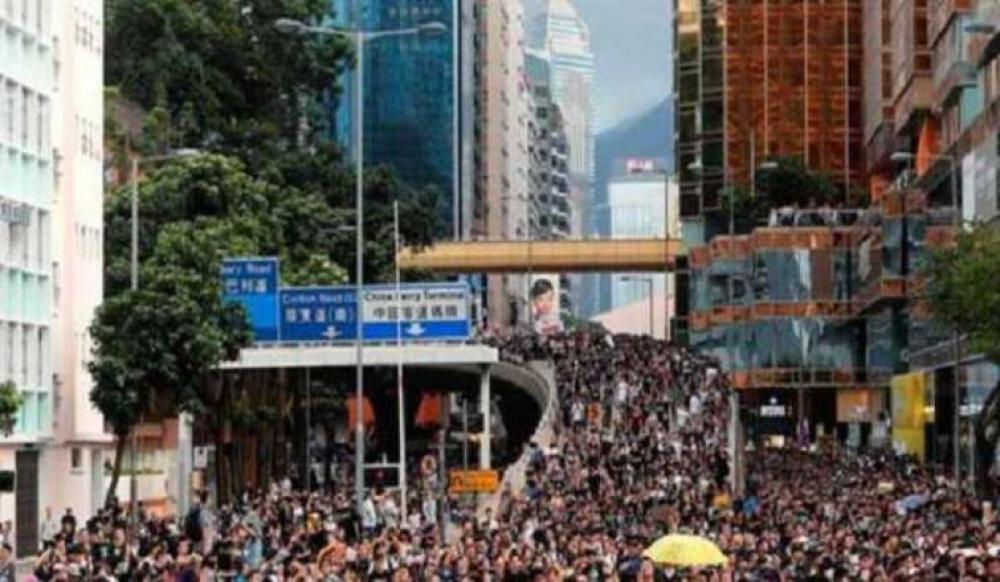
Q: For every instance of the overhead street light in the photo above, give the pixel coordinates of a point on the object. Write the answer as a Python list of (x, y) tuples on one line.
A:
[(291, 26), (134, 179), (360, 39)]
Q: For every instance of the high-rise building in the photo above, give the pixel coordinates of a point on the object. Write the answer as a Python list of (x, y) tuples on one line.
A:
[(572, 66), (413, 91), (549, 152), (80, 445), (26, 279), (51, 127), (932, 99), (761, 80), (502, 198), (548, 170), (879, 134), (637, 204), (567, 42)]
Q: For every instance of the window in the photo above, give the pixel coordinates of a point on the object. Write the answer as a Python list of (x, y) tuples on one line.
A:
[(26, 98), (7, 110), (43, 140), (75, 459)]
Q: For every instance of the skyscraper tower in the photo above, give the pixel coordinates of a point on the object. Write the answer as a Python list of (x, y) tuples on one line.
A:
[(567, 41), (412, 96), (572, 65)]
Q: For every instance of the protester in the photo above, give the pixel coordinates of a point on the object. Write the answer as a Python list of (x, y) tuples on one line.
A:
[(639, 449)]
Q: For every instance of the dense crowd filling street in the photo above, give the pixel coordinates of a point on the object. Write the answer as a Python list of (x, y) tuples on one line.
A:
[(639, 450)]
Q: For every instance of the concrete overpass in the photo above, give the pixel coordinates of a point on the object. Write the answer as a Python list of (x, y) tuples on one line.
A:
[(464, 356), (470, 358), (563, 256)]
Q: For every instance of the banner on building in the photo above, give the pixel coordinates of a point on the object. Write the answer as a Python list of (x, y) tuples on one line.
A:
[(908, 413), (858, 405), (544, 302)]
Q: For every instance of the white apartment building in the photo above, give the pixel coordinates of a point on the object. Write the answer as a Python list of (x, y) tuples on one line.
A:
[(78, 268), (51, 123)]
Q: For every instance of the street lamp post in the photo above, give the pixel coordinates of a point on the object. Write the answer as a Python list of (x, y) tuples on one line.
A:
[(401, 397), (360, 39), (137, 162)]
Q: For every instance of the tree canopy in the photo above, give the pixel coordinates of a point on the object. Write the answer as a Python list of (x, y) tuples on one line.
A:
[(217, 76), (789, 183), (222, 73), (961, 287)]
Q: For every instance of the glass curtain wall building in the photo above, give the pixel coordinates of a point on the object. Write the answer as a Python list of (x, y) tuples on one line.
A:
[(758, 80), (412, 96)]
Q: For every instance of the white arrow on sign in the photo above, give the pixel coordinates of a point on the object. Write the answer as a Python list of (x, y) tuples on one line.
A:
[(331, 333), (415, 329)]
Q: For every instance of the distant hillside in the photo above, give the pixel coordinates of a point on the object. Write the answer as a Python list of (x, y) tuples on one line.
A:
[(647, 135)]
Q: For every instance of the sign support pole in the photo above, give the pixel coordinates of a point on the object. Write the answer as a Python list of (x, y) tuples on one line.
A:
[(399, 369), (485, 408)]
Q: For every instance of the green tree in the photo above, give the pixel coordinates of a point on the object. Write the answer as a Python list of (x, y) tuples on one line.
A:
[(962, 293), (194, 213), (11, 401), (216, 75), (961, 288), (221, 72), (788, 183), (792, 183), (154, 346)]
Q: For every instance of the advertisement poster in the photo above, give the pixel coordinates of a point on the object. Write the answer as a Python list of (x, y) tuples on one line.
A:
[(544, 304)]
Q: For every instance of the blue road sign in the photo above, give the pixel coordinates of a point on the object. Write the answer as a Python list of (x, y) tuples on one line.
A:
[(431, 311), (437, 311), (318, 314), (253, 283)]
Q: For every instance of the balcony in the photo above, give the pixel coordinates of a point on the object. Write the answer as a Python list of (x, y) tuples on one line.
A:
[(957, 77), (940, 13), (918, 96), (764, 378)]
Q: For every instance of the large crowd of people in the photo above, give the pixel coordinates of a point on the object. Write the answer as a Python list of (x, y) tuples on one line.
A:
[(639, 449)]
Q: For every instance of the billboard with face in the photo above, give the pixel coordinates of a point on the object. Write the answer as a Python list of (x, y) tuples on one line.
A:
[(545, 305)]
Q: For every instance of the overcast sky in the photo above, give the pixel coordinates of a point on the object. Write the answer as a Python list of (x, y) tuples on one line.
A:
[(631, 42)]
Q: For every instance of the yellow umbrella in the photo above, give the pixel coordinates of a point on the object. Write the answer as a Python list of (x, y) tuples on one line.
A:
[(685, 550)]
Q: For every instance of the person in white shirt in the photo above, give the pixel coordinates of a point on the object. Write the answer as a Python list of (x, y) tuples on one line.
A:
[(389, 511), (429, 509), (50, 526), (369, 516)]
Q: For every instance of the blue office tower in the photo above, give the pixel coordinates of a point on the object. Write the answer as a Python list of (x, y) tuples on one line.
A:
[(411, 91)]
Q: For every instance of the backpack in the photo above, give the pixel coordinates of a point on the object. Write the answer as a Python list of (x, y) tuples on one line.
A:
[(192, 524)]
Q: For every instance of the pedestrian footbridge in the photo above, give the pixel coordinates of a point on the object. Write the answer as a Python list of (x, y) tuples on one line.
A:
[(562, 256)]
